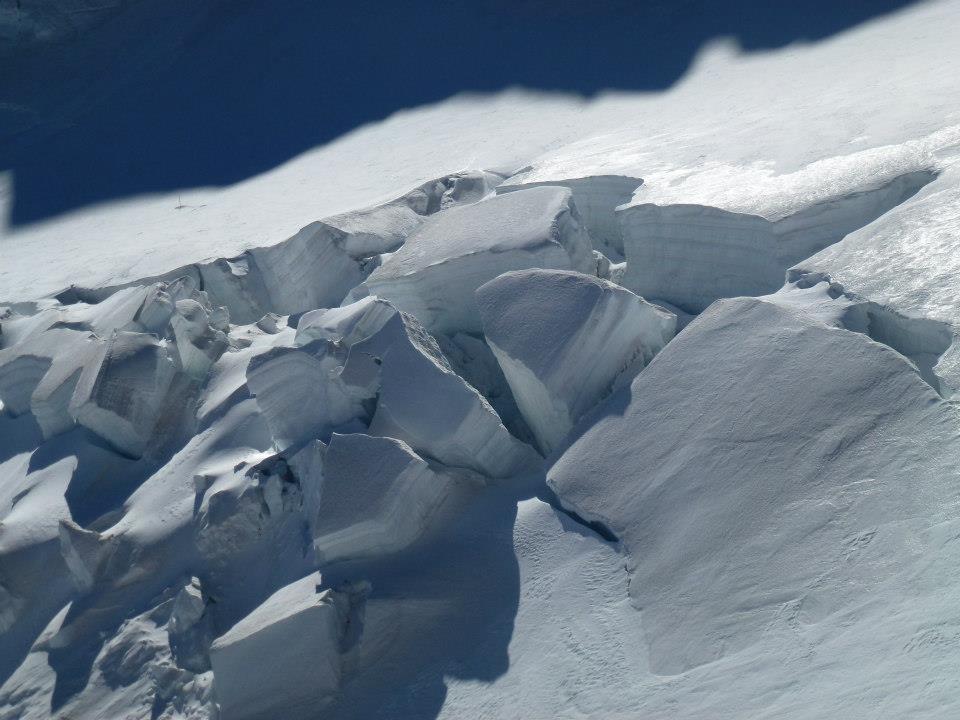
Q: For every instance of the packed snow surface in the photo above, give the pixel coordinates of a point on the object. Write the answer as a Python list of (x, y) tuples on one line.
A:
[(511, 406)]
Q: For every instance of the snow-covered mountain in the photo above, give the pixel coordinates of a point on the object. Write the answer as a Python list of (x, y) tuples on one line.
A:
[(512, 405)]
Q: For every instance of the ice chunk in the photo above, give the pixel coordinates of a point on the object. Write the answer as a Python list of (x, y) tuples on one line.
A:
[(690, 254), (120, 396), (384, 228), (565, 340), (395, 368), (82, 551), (433, 276), (252, 530), (596, 198), (309, 270), (378, 497), (271, 323), (283, 659), (424, 403), (300, 393), (198, 344), (766, 462), (189, 628), (348, 324)]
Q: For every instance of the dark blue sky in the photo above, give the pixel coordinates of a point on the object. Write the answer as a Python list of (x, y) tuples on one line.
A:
[(180, 93)]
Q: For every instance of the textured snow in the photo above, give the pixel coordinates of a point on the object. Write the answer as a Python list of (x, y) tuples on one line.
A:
[(433, 276), (284, 656), (778, 498), (377, 497), (691, 254), (596, 198), (271, 450), (566, 340), (907, 262)]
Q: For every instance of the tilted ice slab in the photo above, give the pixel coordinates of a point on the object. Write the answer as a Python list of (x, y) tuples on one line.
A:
[(434, 275), (423, 402), (378, 497), (765, 463), (283, 659), (725, 231), (565, 340), (923, 341), (907, 263), (597, 198)]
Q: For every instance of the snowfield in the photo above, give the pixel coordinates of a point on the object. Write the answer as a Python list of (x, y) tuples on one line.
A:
[(510, 406)]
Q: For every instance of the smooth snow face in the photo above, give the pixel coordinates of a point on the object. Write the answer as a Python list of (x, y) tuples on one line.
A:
[(776, 495), (690, 254), (565, 340), (378, 496), (434, 275), (284, 657), (596, 198)]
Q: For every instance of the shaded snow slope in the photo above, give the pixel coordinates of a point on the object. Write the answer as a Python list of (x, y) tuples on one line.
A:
[(751, 493)]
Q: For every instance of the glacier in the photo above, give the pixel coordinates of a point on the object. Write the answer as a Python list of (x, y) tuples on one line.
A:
[(514, 405)]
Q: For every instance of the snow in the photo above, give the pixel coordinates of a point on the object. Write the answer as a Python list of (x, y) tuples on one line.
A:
[(778, 495), (277, 449), (597, 198), (906, 262), (691, 254), (377, 497), (299, 629), (121, 394), (566, 340), (433, 276)]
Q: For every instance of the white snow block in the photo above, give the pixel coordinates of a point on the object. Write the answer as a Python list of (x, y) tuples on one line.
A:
[(120, 395), (308, 270), (299, 391), (691, 254), (348, 324), (423, 402), (283, 659), (311, 269), (765, 464), (378, 497), (597, 198), (565, 340), (434, 275), (395, 364), (384, 228)]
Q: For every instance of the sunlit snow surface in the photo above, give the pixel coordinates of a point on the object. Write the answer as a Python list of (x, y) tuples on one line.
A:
[(377, 435)]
